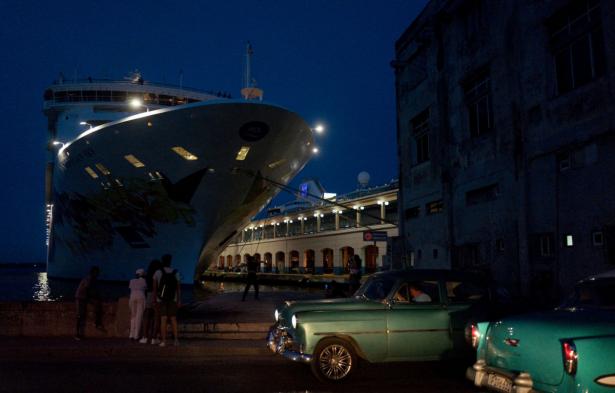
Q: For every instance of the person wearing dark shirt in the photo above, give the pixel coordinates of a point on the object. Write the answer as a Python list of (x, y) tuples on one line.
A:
[(252, 279), (87, 292)]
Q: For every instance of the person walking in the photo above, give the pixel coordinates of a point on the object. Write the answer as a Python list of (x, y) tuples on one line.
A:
[(87, 292), (137, 286), (168, 294), (151, 315), (252, 278)]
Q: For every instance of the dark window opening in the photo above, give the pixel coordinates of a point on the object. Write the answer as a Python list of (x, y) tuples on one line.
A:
[(481, 195), (420, 129), (577, 42), (478, 101), (412, 212)]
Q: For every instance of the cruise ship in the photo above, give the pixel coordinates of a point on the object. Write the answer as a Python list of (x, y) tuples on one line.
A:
[(138, 169)]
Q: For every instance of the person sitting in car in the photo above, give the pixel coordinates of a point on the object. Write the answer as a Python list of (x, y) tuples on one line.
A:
[(417, 294)]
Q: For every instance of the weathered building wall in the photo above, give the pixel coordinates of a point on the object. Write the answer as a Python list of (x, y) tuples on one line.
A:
[(500, 124)]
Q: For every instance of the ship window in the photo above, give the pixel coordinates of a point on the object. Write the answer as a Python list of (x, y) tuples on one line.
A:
[(118, 96), (134, 161), (91, 172), (104, 95), (243, 152), (184, 153), (89, 95), (102, 169)]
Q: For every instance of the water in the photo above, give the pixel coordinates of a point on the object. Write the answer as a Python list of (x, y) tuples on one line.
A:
[(30, 283)]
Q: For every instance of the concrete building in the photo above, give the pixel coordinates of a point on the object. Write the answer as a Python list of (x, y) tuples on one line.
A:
[(506, 135), (322, 238)]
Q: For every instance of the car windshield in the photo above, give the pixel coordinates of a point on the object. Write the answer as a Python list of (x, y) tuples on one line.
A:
[(592, 294), (376, 288)]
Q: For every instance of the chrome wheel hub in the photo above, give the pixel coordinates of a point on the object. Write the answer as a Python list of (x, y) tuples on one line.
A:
[(335, 362)]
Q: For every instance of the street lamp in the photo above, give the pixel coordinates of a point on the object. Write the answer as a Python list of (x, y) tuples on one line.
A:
[(138, 103), (315, 150)]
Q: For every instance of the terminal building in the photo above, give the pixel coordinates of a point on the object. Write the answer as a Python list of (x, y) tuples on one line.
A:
[(319, 232), (506, 135)]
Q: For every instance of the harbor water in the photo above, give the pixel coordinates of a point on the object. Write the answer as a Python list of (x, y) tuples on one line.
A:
[(30, 283)]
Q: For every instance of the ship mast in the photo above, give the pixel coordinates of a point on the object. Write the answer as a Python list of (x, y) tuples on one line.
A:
[(250, 91)]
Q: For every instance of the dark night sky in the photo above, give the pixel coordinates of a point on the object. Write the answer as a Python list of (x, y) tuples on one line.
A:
[(328, 60)]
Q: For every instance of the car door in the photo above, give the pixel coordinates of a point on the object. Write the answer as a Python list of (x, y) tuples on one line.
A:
[(417, 330)]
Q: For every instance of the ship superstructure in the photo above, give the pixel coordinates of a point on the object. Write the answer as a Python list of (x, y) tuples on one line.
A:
[(139, 169)]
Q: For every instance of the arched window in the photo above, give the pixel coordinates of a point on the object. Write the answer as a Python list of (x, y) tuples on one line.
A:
[(221, 262), (229, 261), (280, 259), (309, 257), (327, 261), (294, 261), (347, 253), (268, 262), (371, 259)]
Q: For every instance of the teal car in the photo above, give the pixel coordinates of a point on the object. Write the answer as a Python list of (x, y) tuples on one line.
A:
[(569, 349), (395, 316)]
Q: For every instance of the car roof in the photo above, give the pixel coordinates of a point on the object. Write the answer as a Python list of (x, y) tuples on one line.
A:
[(605, 275), (431, 274)]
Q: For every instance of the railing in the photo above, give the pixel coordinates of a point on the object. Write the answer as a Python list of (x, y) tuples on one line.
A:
[(60, 82)]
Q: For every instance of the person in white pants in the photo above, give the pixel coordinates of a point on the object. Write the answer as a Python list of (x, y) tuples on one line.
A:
[(137, 286)]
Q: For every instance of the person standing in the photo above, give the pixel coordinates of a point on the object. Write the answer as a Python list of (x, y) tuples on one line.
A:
[(354, 279), (252, 278), (168, 294), (87, 292), (151, 315), (137, 286)]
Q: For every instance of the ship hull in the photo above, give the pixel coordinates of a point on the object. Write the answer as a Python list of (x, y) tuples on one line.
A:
[(189, 208)]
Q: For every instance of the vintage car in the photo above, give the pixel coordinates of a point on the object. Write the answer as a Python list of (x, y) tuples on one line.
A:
[(394, 316), (569, 349)]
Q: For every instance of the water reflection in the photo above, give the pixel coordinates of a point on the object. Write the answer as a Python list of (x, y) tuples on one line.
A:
[(41, 291)]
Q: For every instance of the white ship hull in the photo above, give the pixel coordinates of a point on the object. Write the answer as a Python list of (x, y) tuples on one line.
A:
[(191, 209)]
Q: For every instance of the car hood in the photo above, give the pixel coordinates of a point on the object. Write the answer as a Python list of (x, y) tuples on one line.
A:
[(538, 349), (346, 304)]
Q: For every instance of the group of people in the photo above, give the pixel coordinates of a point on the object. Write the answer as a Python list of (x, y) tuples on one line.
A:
[(155, 296)]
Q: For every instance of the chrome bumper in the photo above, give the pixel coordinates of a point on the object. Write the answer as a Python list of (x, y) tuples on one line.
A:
[(479, 374), (280, 342)]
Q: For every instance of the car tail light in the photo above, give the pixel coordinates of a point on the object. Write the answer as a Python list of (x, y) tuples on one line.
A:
[(472, 335), (570, 357)]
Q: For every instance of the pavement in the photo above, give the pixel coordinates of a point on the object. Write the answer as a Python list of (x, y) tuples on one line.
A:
[(226, 316)]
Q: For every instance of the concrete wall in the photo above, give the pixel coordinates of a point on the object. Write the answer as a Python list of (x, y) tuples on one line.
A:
[(533, 124), (47, 319)]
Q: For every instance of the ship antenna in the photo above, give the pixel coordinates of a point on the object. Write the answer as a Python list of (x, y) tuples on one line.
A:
[(250, 91)]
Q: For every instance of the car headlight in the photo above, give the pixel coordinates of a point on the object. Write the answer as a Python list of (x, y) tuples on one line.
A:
[(276, 315), (293, 320)]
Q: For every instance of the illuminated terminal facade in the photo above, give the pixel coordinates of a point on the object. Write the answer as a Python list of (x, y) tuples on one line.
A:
[(319, 235)]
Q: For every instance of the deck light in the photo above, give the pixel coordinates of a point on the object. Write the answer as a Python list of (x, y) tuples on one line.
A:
[(319, 128), (138, 103), (315, 150)]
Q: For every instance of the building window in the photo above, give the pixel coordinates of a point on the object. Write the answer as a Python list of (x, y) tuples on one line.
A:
[(467, 256), (577, 41), (478, 100), (598, 239), (412, 212), (184, 153), (499, 245), (542, 244), (568, 240), (434, 207), (420, 130), (480, 195)]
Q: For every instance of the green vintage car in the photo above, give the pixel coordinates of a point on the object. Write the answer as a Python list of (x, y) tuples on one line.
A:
[(394, 316), (569, 349)]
